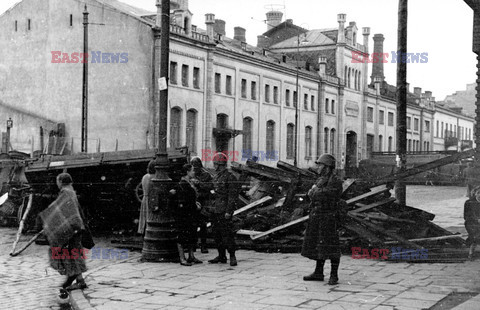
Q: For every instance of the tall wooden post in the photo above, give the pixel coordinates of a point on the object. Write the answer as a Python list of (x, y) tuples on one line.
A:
[(400, 188)]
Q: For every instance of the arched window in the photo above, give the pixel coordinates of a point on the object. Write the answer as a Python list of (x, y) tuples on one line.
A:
[(175, 127), (308, 142), (349, 77), (332, 141), (327, 103), (390, 144), (355, 79), (247, 136), (222, 121), (191, 133), (290, 141), (270, 140), (333, 107), (325, 140), (359, 80), (346, 76), (380, 143)]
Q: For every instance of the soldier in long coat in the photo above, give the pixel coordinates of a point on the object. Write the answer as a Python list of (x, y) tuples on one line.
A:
[(471, 214), (321, 240), (224, 204)]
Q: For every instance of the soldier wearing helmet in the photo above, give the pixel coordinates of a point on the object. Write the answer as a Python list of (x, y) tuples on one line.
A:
[(225, 200), (203, 182), (321, 240)]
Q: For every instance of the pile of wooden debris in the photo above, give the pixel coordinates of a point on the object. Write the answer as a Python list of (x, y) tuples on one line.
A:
[(277, 207)]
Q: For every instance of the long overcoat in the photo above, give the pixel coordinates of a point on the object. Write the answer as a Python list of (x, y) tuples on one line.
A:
[(321, 237)]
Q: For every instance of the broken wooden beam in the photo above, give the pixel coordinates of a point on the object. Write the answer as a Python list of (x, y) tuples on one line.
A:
[(292, 169), (253, 205), (281, 227), (384, 218), (248, 232), (364, 207), (260, 172), (430, 239), (374, 191)]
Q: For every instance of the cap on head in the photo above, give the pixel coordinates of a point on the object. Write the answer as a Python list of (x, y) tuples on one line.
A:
[(196, 162), (327, 160), (220, 159)]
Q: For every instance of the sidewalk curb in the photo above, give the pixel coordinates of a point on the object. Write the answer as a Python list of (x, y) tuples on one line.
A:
[(78, 301)]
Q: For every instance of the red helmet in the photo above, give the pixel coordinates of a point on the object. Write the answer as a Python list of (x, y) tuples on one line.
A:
[(220, 158)]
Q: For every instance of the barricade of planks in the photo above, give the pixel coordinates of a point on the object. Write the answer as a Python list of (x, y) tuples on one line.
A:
[(277, 207)]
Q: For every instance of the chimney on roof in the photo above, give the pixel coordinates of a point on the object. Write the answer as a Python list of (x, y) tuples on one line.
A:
[(263, 41), (366, 34), (219, 27), (322, 66), (377, 67), (239, 34), (210, 22), (341, 18), (417, 91), (274, 18), (428, 94), (289, 21)]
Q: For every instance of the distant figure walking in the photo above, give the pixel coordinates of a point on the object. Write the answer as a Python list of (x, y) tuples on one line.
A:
[(146, 181), (471, 214)]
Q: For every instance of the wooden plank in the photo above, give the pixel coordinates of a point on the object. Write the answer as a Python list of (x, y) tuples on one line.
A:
[(364, 233), (290, 168), (384, 232), (266, 174), (268, 232), (253, 205), (346, 184), (248, 232), (364, 207), (375, 191), (384, 218), (430, 239), (275, 171)]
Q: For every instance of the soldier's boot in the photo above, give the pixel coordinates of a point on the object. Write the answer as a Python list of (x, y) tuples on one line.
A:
[(317, 275), (221, 258), (233, 259), (181, 254), (334, 272)]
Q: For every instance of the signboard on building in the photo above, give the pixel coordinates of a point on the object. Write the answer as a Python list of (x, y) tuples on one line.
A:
[(351, 109)]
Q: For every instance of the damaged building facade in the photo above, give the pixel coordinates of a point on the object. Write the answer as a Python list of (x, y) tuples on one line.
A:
[(293, 97)]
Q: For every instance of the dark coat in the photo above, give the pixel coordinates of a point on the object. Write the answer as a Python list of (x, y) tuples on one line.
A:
[(186, 213), (226, 193), (321, 237), (471, 214), (204, 186)]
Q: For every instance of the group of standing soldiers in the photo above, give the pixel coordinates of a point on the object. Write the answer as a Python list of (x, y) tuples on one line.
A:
[(199, 198)]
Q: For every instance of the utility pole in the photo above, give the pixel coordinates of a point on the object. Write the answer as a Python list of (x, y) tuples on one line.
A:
[(296, 106), (85, 83), (400, 188)]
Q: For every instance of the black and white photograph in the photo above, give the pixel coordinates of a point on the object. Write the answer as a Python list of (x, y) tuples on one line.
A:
[(239, 155)]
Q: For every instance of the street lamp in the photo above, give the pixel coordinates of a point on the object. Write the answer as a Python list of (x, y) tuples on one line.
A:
[(304, 41), (9, 125)]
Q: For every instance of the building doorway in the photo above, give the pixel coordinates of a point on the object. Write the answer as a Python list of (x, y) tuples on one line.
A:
[(351, 153)]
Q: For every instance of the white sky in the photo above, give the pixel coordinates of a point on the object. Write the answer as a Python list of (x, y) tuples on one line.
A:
[(441, 28)]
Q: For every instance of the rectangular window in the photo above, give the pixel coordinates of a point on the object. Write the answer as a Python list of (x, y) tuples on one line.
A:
[(71, 20), (327, 105), (409, 122), (287, 97), (333, 107), (370, 114), (427, 126), (196, 77), (381, 117), (228, 85), (290, 141), (295, 99), (275, 94), (442, 132), (312, 103), (390, 119), (308, 142), (244, 88), (16, 25), (416, 123), (185, 75), (173, 72), (254, 90), (267, 93), (218, 78), (305, 101), (29, 24), (437, 129)]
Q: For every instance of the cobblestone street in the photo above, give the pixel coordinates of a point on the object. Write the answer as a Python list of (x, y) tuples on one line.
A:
[(260, 281)]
